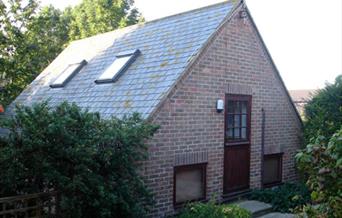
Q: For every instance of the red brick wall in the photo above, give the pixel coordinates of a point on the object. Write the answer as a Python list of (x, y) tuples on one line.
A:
[(233, 62)]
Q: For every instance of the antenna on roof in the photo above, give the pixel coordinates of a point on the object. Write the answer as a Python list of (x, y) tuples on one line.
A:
[(237, 1)]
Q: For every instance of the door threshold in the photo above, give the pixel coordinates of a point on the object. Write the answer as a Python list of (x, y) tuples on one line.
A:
[(235, 195)]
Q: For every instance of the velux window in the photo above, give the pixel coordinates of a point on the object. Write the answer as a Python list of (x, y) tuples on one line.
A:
[(120, 64), (189, 183), (272, 172), (67, 74)]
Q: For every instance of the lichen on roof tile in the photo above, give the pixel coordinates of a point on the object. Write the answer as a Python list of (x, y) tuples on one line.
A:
[(167, 45)]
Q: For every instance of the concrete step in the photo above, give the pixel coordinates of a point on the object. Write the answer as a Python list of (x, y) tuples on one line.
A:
[(278, 215), (257, 208)]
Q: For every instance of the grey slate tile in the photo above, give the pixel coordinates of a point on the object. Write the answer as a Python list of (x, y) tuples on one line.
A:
[(166, 47)]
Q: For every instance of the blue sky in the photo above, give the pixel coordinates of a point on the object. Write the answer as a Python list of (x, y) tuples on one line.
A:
[(304, 37)]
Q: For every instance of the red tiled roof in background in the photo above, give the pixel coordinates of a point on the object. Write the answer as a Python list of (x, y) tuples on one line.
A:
[(302, 95)]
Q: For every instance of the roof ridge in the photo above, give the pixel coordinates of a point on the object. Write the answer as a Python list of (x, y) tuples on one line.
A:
[(157, 19), (190, 11)]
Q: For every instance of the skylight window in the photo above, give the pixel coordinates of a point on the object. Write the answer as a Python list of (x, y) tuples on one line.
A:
[(120, 64), (68, 74)]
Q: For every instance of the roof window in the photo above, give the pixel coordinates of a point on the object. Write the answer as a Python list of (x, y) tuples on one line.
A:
[(68, 73), (120, 64)]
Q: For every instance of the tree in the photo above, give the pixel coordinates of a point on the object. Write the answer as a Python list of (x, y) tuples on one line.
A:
[(323, 113), (321, 162), (91, 162), (14, 49), (98, 16), (31, 37), (48, 35)]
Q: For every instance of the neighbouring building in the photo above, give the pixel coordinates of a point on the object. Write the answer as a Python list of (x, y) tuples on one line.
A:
[(301, 97), (227, 122)]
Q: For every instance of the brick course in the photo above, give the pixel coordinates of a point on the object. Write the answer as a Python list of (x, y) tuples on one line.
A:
[(234, 62)]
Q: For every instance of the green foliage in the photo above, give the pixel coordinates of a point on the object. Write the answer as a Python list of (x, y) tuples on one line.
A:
[(93, 163), (29, 40), (31, 37), (312, 211), (323, 113), (283, 198), (48, 34), (98, 16), (321, 162), (211, 210)]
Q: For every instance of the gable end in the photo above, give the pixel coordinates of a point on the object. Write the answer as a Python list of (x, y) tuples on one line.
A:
[(268, 54)]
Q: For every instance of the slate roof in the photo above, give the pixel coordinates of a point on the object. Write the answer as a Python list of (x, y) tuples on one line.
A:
[(167, 46)]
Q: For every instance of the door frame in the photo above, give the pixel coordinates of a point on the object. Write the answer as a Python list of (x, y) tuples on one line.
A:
[(229, 143)]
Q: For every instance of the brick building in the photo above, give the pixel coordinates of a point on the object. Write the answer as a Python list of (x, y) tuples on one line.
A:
[(227, 123)]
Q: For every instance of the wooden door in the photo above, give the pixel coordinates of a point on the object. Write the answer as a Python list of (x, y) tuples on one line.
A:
[(237, 143)]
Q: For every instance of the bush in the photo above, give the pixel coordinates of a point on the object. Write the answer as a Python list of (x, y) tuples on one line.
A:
[(323, 113), (321, 162), (91, 162), (283, 198), (211, 210)]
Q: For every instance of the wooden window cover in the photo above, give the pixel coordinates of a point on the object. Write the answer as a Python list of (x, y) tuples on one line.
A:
[(272, 172), (181, 171)]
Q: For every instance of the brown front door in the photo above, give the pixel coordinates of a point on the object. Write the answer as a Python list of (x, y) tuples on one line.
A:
[(237, 143)]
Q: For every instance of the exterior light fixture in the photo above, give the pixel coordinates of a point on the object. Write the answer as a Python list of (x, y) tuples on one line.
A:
[(243, 14), (219, 105)]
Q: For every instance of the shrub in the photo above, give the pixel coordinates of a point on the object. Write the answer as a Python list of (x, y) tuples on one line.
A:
[(91, 162), (283, 198), (323, 113), (211, 210), (321, 162), (311, 211)]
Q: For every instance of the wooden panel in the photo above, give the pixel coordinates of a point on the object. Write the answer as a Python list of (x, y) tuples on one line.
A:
[(272, 172), (236, 168), (32, 205), (237, 143), (187, 175)]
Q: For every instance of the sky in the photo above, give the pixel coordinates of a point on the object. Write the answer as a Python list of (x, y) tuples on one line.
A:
[(304, 37)]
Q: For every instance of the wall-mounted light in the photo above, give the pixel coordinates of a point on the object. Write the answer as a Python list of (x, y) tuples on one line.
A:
[(244, 16), (219, 105)]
